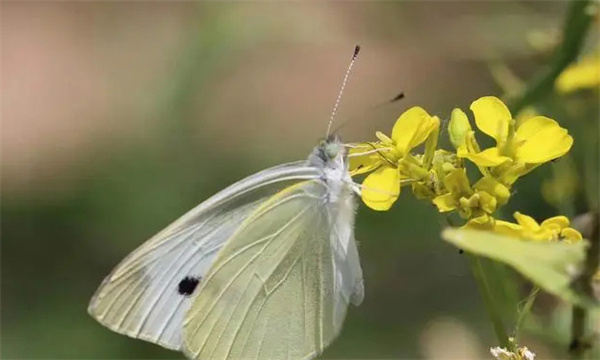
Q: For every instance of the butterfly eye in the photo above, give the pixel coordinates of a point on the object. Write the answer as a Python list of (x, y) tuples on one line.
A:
[(187, 286)]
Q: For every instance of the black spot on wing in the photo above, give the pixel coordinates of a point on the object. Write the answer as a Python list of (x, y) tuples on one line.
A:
[(187, 286)]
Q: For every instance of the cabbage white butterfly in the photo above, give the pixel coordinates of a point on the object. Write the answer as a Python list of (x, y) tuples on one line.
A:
[(263, 269)]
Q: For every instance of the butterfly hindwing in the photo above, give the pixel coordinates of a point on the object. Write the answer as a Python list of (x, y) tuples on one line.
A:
[(277, 289)]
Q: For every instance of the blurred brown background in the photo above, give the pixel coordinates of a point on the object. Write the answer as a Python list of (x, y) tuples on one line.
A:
[(117, 117)]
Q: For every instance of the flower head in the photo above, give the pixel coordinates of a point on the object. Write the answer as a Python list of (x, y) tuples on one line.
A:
[(552, 229), (463, 198), (519, 147), (440, 175)]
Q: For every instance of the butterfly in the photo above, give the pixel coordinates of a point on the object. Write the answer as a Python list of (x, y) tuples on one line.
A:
[(264, 269)]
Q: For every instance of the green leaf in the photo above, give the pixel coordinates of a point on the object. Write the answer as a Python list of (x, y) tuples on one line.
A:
[(551, 265)]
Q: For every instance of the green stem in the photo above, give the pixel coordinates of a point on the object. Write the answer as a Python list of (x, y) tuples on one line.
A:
[(578, 346), (580, 332), (486, 294), (524, 311), (577, 24)]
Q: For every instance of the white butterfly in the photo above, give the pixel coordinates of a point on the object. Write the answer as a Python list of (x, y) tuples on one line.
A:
[(264, 269)]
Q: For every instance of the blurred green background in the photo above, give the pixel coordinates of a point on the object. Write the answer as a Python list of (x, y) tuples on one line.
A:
[(118, 117)]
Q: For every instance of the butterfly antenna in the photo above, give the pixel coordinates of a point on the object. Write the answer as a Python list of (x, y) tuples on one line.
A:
[(398, 97), (339, 97), (393, 100)]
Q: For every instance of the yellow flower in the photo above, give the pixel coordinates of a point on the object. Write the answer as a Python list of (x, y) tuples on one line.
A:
[(584, 74), (536, 140), (462, 137), (390, 159), (552, 229), (519, 147)]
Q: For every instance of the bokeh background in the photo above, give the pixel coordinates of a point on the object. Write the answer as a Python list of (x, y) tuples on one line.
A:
[(118, 117)]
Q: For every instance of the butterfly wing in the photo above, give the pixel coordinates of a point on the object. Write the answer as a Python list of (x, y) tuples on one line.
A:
[(148, 293), (278, 289)]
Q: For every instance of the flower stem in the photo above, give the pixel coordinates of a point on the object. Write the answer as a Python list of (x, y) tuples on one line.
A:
[(577, 23), (580, 337), (486, 294), (524, 311)]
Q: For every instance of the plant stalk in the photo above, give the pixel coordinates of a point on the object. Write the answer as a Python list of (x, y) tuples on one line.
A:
[(490, 305), (580, 332)]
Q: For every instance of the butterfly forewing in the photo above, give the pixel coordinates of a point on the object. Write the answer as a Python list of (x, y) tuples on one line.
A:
[(148, 293)]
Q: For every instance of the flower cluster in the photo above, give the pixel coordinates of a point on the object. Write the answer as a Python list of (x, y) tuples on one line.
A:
[(554, 228), (441, 176)]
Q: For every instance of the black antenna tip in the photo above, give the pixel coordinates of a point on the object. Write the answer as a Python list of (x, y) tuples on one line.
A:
[(398, 97), (356, 51)]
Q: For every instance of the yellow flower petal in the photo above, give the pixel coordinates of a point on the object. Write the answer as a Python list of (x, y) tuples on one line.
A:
[(361, 164), (508, 228), (541, 139), (551, 229), (571, 234), (582, 75), (526, 221), (488, 157), (381, 188), (412, 128), (556, 222), (492, 117), (445, 202), (533, 125)]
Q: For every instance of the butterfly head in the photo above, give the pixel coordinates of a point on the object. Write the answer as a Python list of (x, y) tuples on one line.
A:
[(329, 153), (330, 158), (331, 148)]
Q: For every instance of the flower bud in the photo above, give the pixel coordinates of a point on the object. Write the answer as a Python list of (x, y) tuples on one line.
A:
[(458, 127)]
